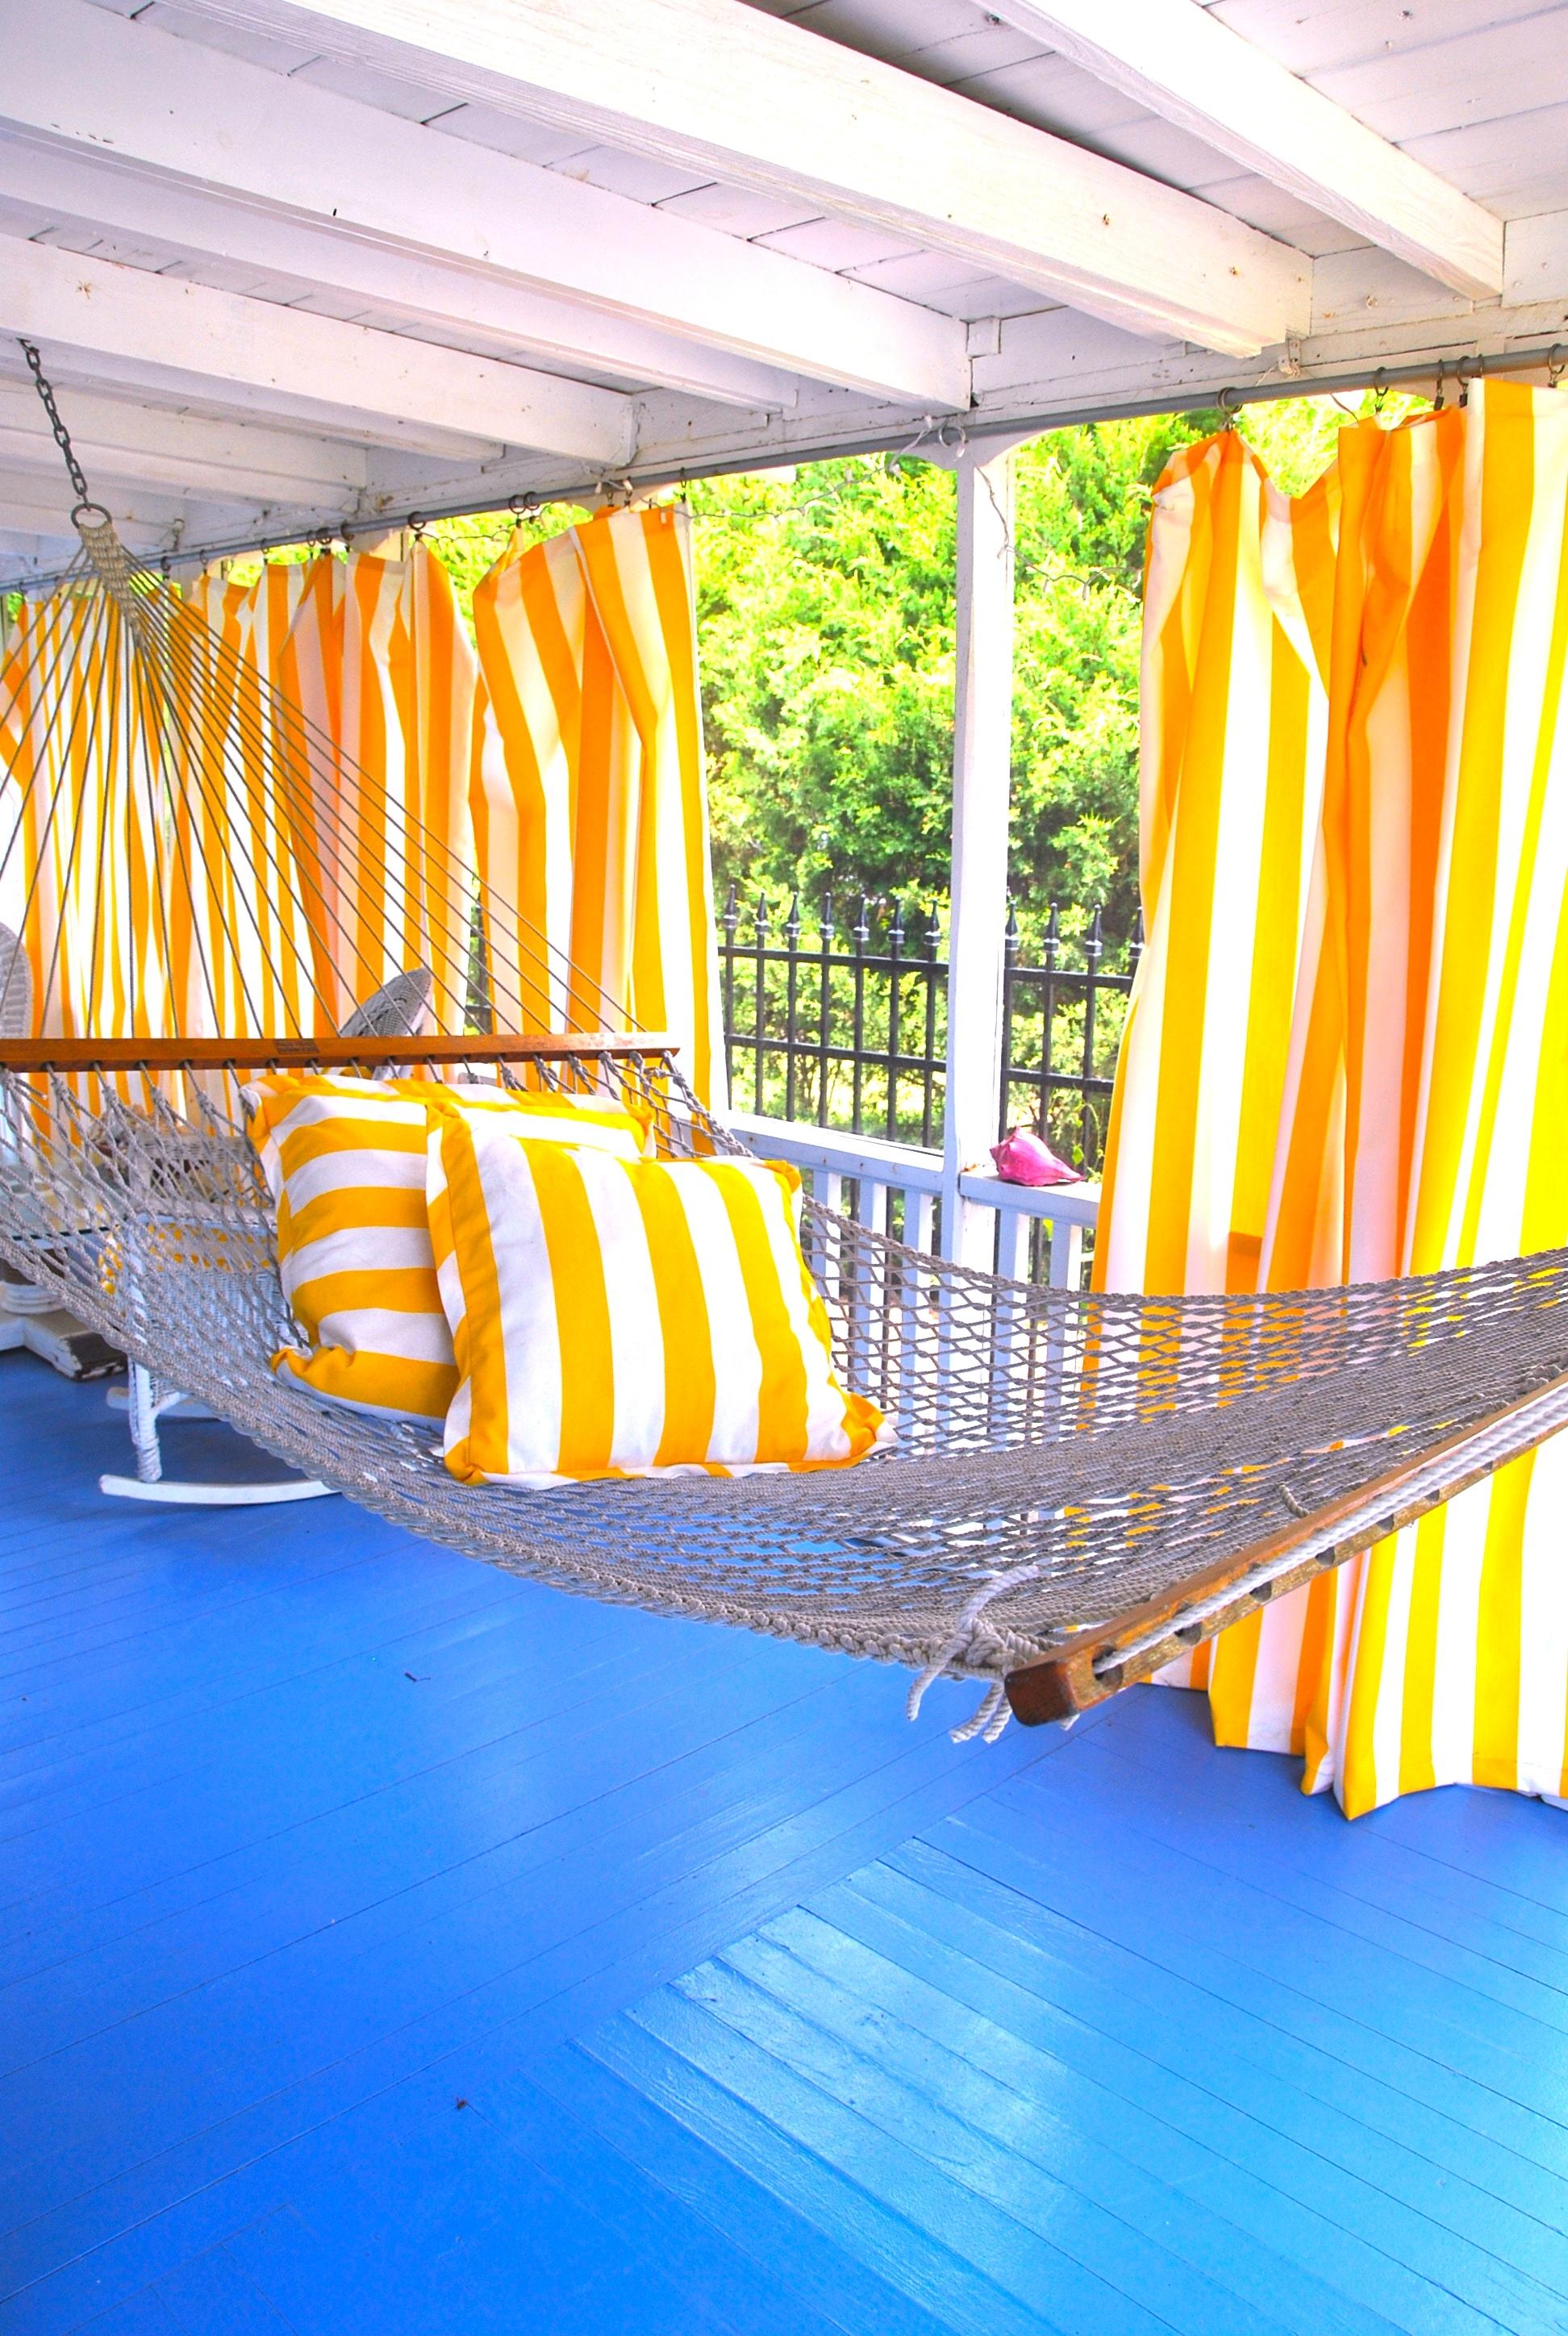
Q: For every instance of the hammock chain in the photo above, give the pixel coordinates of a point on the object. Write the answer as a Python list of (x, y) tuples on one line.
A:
[(62, 436), (92, 522)]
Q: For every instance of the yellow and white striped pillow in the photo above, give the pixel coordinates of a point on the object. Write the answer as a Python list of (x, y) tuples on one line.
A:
[(345, 1162), (618, 1317)]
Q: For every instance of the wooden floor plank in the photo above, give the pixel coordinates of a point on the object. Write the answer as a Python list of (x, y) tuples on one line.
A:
[(1190, 1940), (789, 2250), (1407, 2299), (193, 2194), (159, 1676), (649, 2222), (213, 2290), (1368, 1860), (1448, 1924), (462, 2227), (1207, 2069), (1310, 1951), (469, 1651), (1048, 2175), (389, 1944), (229, 1808), (893, 2239), (140, 2315), (522, 1803), (1342, 2201), (1165, 2157), (348, 1983), (463, 1940)]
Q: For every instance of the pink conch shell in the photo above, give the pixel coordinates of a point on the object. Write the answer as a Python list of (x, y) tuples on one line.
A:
[(1022, 1158)]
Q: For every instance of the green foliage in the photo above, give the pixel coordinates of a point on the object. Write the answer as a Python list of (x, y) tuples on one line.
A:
[(825, 616), (1295, 436), (825, 609)]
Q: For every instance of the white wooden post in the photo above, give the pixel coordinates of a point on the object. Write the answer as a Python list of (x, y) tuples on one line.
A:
[(982, 740)]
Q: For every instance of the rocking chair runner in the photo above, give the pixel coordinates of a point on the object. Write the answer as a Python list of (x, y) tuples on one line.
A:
[(400, 1007), (1084, 1486)]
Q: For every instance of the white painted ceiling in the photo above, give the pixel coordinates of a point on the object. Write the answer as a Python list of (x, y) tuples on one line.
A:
[(185, 301)]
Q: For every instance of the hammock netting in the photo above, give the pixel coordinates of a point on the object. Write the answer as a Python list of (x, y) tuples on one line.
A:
[(1082, 1484)]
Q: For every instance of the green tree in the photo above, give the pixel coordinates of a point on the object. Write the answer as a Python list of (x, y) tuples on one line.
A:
[(1295, 436), (825, 608), (825, 616), (825, 613)]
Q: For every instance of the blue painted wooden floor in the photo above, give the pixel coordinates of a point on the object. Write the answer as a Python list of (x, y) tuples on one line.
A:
[(388, 1945)]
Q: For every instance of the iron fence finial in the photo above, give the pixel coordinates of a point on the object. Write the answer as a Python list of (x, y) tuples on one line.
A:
[(833, 1033)]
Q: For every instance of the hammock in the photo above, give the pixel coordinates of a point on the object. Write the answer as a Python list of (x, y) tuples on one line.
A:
[(1084, 1486)]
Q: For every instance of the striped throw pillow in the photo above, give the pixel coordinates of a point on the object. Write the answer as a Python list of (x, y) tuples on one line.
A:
[(621, 1318), (344, 1162)]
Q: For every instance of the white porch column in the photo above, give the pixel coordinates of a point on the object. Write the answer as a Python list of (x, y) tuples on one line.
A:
[(982, 740)]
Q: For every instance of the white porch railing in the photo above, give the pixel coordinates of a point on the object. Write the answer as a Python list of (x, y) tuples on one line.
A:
[(895, 1188)]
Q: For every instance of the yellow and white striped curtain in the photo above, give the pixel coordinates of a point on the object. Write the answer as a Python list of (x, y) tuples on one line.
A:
[(589, 806), (1347, 1053), (251, 880), (224, 870), (378, 663), (88, 875), (241, 777)]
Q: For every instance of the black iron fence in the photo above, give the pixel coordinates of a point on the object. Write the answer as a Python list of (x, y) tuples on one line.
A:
[(847, 1025)]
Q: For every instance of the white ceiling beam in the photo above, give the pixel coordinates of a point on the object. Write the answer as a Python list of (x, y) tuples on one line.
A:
[(58, 298), (24, 450), (76, 76), (20, 549), (117, 423), (180, 453), (1177, 58), (146, 523), (719, 86), (152, 382), (179, 217)]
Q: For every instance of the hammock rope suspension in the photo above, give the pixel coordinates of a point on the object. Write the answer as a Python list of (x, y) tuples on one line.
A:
[(1084, 1486)]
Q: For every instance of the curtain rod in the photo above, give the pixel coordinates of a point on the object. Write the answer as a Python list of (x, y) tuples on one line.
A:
[(949, 431)]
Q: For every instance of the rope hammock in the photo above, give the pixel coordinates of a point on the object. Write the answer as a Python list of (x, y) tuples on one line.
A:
[(1084, 1486)]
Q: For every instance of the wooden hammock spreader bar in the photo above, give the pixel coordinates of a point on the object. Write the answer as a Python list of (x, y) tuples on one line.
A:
[(115, 1054), (1146, 1638)]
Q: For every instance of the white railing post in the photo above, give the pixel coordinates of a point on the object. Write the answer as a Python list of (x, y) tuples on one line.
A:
[(982, 744), (886, 1316)]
